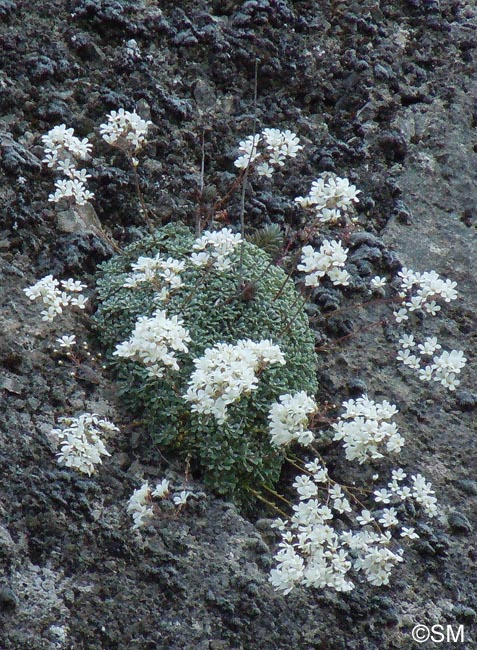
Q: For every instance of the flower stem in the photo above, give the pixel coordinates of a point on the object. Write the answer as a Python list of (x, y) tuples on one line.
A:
[(140, 196), (300, 307), (277, 495), (269, 503), (200, 205)]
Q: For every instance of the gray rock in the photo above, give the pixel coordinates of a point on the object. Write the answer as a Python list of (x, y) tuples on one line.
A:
[(78, 219), (466, 400), (7, 7), (459, 523), (8, 599), (16, 159), (467, 485)]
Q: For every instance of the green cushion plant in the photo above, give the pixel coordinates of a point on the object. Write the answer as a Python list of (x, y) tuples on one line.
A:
[(236, 458)]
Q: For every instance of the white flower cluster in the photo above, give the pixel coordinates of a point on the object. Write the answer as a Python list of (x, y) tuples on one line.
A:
[(329, 260), (423, 493), (154, 342), (275, 147), (47, 289), (314, 553), (444, 367), (63, 149), (329, 197), (156, 270), (80, 443), (140, 505), (365, 429), (226, 372), (419, 291), (420, 490), (125, 130), (73, 189), (289, 419), (215, 248)]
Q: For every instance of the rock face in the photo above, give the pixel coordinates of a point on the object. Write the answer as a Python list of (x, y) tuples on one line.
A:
[(381, 92)]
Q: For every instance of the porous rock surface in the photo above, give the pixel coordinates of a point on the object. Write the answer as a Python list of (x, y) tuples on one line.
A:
[(381, 92)]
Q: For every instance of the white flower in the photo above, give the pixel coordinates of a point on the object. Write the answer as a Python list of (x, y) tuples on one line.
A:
[(365, 518), (141, 515), (377, 564), (423, 493), (378, 282), (74, 286), (400, 315), (225, 372), (342, 505), (60, 140), (398, 474), (407, 341), (388, 518), (330, 196), (408, 278), (395, 443), (289, 572), (320, 473), (78, 301), (154, 342), (432, 308), (404, 492), (328, 260), (156, 270), (364, 427), (312, 553), (54, 300), (415, 303), (305, 487), (139, 506), (276, 158), (125, 129), (181, 498), (66, 166), (409, 533), (219, 246), (429, 346), (382, 496), (139, 497), (265, 170), (410, 360), (79, 440), (452, 361), (339, 276), (200, 259), (426, 374), (67, 341), (71, 189), (162, 489), (62, 151), (248, 149), (289, 419), (422, 290), (279, 145)]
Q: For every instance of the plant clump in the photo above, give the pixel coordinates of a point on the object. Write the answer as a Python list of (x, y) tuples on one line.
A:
[(234, 453)]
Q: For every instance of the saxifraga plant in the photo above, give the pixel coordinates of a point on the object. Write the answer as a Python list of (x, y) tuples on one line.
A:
[(235, 458)]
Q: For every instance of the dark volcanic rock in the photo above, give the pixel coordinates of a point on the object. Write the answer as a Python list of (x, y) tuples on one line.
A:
[(380, 92)]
